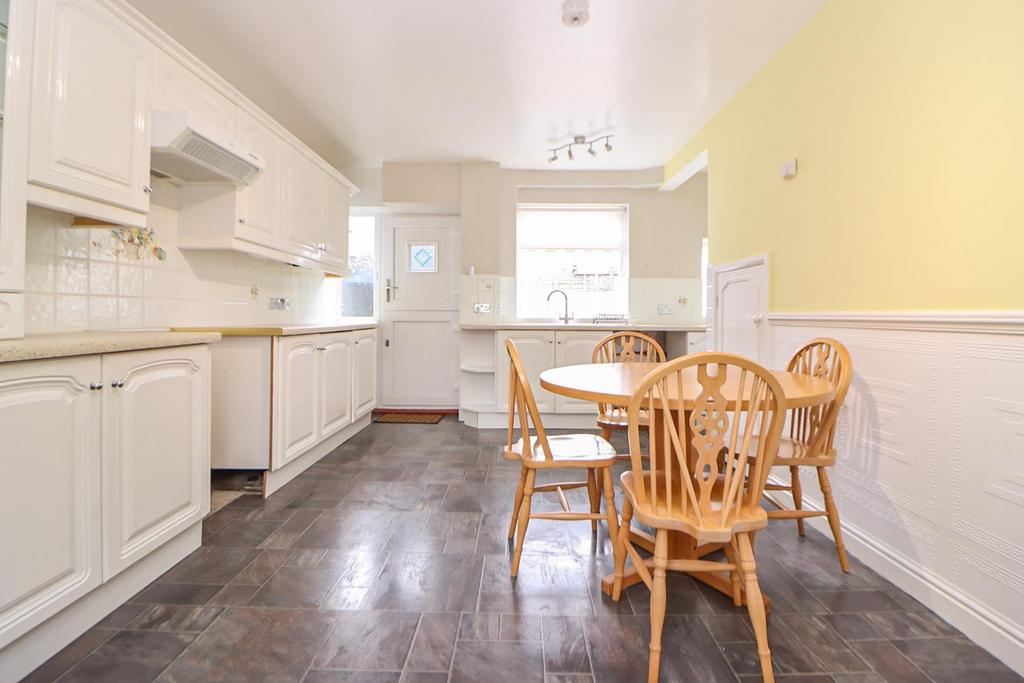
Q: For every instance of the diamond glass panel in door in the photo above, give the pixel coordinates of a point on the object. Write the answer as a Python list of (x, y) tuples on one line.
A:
[(357, 288), (423, 258), (582, 250)]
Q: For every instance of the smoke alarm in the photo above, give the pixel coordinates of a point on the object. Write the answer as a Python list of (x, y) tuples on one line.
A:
[(575, 12)]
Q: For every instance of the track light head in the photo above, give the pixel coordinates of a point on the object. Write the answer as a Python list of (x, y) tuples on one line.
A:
[(553, 158), (608, 145), (591, 150), (570, 153)]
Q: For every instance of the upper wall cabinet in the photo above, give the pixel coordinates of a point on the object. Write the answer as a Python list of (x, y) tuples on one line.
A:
[(89, 134), (335, 226), (304, 211), (259, 202), (175, 88)]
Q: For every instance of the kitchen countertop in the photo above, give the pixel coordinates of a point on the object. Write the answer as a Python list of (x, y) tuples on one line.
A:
[(284, 330), (40, 346), (638, 327)]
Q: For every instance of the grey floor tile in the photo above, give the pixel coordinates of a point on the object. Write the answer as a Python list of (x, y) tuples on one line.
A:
[(211, 564), (946, 660), (174, 618), (565, 646), (295, 587), (176, 594), (497, 662), (129, 656), (368, 641), (73, 653), (888, 662), (247, 644), (425, 583), (329, 676), (434, 642)]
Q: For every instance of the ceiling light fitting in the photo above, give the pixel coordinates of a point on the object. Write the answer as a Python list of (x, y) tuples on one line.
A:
[(575, 12), (581, 140)]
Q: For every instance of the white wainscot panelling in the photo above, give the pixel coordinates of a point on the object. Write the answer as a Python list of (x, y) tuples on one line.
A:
[(930, 473)]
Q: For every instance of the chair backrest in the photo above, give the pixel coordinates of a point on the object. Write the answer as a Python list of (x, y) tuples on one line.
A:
[(626, 347), (829, 360), (521, 402), (706, 450)]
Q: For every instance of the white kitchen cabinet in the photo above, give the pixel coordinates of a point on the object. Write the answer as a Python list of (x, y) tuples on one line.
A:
[(575, 348), (304, 204), (156, 450), (335, 223), (259, 203), (176, 88), (91, 101), (335, 376), (296, 396), (364, 372), (537, 351), (50, 509)]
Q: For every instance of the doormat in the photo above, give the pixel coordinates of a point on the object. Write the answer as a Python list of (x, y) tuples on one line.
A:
[(409, 418)]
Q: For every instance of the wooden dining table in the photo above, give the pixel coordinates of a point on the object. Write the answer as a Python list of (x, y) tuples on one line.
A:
[(614, 384)]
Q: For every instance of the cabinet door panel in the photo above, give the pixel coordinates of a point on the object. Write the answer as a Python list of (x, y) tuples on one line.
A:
[(336, 379), (296, 411), (575, 348), (335, 222), (364, 373), (156, 449), (178, 89), (304, 204), (50, 510), (259, 217), (536, 349), (89, 131)]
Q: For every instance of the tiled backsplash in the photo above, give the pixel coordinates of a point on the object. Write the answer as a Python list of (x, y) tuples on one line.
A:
[(679, 300), (75, 280)]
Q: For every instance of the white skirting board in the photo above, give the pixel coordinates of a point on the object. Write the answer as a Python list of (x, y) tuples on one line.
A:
[(929, 479), (274, 480), (35, 647), (481, 420)]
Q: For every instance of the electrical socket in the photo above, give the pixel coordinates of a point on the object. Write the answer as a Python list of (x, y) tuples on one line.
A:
[(279, 303), (666, 309), (481, 308)]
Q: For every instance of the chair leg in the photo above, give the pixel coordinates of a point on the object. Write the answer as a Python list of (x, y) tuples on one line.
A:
[(734, 575), (833, 518), (595, 497), (605, 477), (524, 520), (755, 605), (518, 502), (606, 433), (620, 541), (798, 495), (658, 603)]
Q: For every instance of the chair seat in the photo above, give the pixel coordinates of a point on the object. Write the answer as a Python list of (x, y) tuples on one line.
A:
[(709, 530), (567, 450), (792, 452)]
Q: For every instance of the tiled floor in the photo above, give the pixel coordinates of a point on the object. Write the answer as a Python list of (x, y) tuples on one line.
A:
[(387, 562)]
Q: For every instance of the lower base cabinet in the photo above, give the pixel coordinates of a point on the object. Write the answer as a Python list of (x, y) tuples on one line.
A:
[(107, 458), (542, 350)]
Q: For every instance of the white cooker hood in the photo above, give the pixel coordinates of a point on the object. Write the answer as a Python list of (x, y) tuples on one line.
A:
[(184, 149)]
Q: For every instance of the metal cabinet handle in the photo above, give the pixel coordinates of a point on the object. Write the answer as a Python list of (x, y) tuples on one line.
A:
[(242, 221), (117, 383), (96, 386), (147, 189)]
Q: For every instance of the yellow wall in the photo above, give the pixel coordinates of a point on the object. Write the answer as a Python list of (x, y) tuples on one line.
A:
[(907, 117)]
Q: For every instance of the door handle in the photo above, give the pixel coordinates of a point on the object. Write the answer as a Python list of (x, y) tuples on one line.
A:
[(388, 287)]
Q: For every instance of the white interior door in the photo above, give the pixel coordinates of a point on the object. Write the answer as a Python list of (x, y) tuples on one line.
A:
[(741, 304), (419, 312)]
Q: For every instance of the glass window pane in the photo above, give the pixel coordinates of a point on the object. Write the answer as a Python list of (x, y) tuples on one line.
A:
[(580, 250), (357, 288)]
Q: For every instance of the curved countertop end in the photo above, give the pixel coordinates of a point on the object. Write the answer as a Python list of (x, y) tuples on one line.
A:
[(284, 330), (41, 346)]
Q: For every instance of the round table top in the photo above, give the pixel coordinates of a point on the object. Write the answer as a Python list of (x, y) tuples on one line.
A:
[(614, 384)]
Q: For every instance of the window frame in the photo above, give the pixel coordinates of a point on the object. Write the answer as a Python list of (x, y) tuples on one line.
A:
[(378, 220), (624, 271)]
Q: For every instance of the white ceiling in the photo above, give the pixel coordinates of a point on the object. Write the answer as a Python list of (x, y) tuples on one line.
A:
[(367, 81)]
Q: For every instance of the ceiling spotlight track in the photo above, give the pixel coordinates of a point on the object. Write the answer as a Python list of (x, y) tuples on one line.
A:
[(582, 141)]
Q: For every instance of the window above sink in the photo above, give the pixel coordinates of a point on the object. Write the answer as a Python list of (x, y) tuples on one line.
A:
[(580, 249)]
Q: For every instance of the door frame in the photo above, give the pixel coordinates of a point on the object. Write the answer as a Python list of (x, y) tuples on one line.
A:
[(715, 314)]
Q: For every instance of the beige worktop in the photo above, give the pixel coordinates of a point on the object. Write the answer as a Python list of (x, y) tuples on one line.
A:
[(345, 325), (638, 327), (40, 346)]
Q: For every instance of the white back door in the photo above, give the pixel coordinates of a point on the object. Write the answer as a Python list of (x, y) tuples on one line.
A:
[(419, 312)]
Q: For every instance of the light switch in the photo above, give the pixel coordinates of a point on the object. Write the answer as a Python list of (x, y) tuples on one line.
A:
[(666, 309), (789, 169)]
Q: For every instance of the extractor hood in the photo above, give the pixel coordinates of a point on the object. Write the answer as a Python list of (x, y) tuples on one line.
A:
[(185, 149)]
